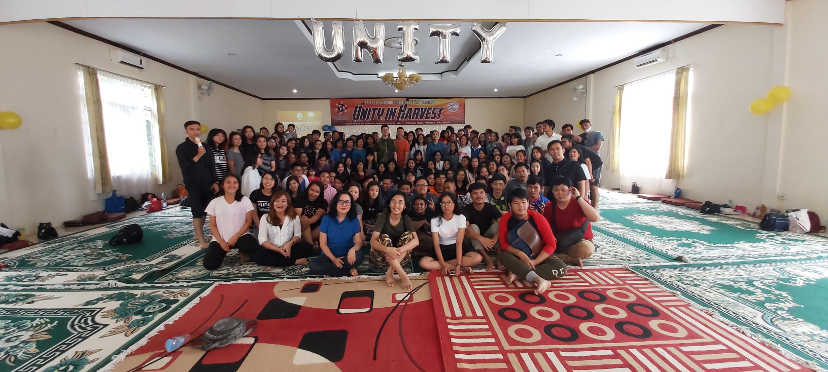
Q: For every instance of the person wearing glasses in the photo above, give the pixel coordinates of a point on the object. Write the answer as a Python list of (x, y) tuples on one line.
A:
[(447, 232), (528, 245), (340, 238)]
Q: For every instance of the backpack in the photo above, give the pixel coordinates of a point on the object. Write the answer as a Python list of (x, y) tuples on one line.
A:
[(8, 235), (129, 234), (798, 221), (155, 205), (816, 226), (45, 231), (130, 205), (710, 208), (774, 222)]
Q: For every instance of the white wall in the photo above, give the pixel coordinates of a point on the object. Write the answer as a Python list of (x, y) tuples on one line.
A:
[(557, 104), (732, 66), (44, 173)]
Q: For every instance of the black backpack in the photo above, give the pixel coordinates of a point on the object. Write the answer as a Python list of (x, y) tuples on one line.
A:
[(9, 235), (710, 208), (45, 231), (129, 234), (130, 205)]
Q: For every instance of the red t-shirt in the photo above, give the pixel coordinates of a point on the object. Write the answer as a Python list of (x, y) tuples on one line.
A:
[(567, 219), (402, 151)]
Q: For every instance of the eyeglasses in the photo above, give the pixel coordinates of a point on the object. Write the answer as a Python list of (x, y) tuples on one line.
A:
[(344, 202)]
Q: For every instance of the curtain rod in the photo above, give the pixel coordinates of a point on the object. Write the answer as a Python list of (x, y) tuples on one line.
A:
[(121, 75), (649, 76)]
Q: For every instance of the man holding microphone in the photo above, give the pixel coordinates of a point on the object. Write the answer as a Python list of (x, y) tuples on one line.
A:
[(199, 178)]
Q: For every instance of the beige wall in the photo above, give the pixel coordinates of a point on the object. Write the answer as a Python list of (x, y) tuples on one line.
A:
[(732, 65), (557, 104), (44, 173)]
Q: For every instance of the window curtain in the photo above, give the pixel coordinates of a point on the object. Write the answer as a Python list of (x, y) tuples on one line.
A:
[(94, 113), (615, 148), (132, 137), (675, 168), (158, 92)]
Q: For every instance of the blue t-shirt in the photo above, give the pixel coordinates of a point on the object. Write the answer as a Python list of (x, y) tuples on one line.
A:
[(340, 234)]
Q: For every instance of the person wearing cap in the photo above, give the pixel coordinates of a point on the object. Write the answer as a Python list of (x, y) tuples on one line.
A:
[(199, 178), (519, 182), (498, 197), (527, 245)]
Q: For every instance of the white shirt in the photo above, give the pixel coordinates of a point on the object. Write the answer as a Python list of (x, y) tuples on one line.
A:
[(543, 140), (447, 229), (464, 151), (229, 217), (513, 149), (279, 235)]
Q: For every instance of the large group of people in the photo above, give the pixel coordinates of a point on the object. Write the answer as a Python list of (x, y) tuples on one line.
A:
[(448, 200)]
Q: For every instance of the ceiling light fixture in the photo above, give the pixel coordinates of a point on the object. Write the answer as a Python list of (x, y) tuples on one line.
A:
[(495, 90), (295, 91), (402, 80)]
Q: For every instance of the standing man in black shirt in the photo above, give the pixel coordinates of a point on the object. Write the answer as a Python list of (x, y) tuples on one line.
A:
[(482, 217), (561, 166), (199, 178)]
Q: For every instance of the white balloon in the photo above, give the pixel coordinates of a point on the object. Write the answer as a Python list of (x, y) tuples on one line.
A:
[(333, 53), (444, 32), (407, 53), (487, 39), (362, 41)]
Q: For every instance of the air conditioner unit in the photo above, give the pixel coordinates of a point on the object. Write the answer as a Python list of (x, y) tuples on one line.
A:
[(652, 58), (129, 59)]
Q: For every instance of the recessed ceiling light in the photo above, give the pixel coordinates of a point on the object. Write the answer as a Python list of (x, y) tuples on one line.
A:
[(396, 90), (495, 90), (295, 91)]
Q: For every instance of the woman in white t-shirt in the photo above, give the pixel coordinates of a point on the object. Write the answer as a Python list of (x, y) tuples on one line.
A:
[(447, 231), (280, 234), (514, 146), (230, 217)]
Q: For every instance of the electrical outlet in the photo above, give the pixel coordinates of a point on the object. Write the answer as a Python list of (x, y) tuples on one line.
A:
[(780, 196)]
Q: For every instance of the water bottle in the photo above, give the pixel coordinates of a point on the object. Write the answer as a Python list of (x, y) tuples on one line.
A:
[(173, 344), (163, 195)]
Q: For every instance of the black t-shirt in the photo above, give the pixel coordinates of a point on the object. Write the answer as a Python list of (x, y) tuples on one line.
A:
[(260, 201), (197, 175), (566, 168), (371, 210), (593, 157), (309, 208), (483, 218)]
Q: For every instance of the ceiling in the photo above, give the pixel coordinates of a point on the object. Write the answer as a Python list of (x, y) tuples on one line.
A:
[(270, 58)]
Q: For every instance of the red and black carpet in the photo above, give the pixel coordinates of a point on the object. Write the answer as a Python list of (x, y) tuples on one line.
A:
[(591, 320), (328, 325)]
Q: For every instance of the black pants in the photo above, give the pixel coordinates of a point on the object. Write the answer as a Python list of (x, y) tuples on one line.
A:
[(322, 265), (246, 244), (199, 197), (266, 257)]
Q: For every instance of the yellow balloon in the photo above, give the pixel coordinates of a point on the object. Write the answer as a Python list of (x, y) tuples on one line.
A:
[(779, 94), (10, 120), (203, 128), (761, 106)]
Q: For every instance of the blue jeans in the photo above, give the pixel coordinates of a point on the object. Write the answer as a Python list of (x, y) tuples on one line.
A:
[(322, 265)]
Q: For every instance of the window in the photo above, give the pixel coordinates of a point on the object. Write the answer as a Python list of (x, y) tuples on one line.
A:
[(646, 124), (131, 132)]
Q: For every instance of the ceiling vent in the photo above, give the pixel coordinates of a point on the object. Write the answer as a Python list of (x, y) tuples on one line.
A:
[(129, 59), (649, 59)]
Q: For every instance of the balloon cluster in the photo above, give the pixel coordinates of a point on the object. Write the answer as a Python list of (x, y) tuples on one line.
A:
[(776, 96), (10, 120), (203, 128)]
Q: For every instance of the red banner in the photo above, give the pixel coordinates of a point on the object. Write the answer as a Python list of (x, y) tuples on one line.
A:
[(361, 111)]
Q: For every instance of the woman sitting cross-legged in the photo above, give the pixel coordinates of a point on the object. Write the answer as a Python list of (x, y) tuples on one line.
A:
[(447, 231), (340, 239), (527, 244), (230, 217), (570, 216), (392, 241), (280, 234), (310, 208)]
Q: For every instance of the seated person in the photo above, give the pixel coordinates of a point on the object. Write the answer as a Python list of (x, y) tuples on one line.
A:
[(537, 202), (392, 241), (421, 224), (482, 217), (570, 217), (311, 207), (280, 235), (447, 231), (339, 239), (261, 197), (528, 245), (230, 217)]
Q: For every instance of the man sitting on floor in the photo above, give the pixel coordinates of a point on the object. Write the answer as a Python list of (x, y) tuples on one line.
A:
[(483, 218)]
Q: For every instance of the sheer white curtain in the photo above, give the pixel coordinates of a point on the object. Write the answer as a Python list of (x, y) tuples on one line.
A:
[(646, 124), (130, 119)]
